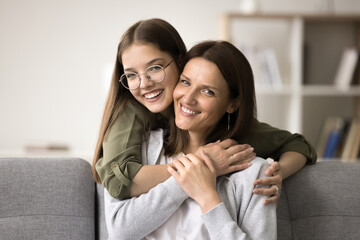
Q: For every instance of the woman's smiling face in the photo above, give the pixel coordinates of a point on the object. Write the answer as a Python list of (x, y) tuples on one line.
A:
[(201, 97), (155, 96)]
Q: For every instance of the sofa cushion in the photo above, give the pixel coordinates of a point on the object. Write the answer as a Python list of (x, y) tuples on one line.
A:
[(321, 202), (46, 199)]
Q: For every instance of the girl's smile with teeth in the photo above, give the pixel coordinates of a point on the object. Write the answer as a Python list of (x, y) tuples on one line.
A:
[(153, 94)]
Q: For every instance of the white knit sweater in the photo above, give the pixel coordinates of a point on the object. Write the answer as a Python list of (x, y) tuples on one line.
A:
[(241, 215)]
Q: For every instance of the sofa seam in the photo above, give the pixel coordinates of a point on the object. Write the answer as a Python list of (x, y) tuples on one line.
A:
[(55, 215)]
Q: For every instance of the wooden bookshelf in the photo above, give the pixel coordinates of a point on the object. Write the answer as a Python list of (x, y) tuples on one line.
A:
[(309, 48)]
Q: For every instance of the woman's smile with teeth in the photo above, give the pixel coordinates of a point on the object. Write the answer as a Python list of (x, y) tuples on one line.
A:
[(188, 110), (153, 94)]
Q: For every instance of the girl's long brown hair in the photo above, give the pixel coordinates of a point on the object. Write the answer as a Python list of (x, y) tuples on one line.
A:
[(155, 31), (237, 72)]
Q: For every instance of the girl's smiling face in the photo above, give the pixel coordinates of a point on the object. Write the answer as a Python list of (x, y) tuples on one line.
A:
[(155, 96)]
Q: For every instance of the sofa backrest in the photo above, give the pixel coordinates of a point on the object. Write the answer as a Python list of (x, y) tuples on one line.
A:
[(46, 199), (321, 201), (56, 198), (101, 231)]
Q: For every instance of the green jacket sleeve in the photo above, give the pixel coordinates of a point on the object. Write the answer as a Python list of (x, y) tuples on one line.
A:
[(122, 152), (271, 142)]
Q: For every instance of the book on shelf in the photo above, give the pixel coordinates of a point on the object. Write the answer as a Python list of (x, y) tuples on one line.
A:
[(356, 77), (265, 66), (352, 141), (327, 127), (356, 145), (270, 68), (346, 68), (340, 138), (334, 137)]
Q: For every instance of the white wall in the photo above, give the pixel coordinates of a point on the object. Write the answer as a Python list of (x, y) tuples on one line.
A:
[(56, 59)]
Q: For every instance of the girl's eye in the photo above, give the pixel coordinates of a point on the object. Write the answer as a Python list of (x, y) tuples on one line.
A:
[(155, 68), (130, 75), (208, 92)]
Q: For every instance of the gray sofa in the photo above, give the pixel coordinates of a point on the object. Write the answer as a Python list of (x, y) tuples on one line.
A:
[(56, 198)]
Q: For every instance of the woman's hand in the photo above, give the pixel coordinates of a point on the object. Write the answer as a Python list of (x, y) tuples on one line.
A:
[(274, 179), (228, 156), (197, 177)]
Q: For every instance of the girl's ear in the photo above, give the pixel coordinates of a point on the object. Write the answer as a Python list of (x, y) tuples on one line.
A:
[(233, 106)]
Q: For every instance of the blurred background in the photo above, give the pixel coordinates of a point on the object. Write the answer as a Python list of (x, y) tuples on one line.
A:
[(56, 60)]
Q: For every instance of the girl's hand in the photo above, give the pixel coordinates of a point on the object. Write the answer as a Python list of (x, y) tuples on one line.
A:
[(228, 156), (197, 177), (274, 180)]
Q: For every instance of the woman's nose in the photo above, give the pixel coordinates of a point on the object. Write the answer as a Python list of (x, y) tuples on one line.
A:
[(190, 97)]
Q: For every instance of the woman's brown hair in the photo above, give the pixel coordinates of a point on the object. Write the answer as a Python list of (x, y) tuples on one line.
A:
[(155, 31), (237, 72)]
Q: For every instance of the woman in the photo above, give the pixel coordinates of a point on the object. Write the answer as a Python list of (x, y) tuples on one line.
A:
[(216, 81), (130, 113)]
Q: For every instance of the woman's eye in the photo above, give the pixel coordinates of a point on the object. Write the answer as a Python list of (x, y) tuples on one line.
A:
[(184, 82), (208, 92)]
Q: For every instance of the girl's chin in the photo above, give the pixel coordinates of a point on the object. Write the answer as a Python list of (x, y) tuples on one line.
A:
[(155, 109)]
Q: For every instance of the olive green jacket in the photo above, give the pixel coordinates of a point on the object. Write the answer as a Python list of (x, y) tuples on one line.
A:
[(122, 147)]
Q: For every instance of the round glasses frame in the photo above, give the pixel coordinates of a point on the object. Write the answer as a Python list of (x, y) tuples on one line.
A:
[(151, 73)]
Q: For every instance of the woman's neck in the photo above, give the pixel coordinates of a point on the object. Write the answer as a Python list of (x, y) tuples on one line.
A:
[(195, 141)]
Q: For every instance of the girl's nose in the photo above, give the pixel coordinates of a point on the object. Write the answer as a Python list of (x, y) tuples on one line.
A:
[(145, 81)]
